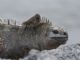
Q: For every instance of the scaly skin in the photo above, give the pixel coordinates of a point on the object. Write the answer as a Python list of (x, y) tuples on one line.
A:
[(17, 41)]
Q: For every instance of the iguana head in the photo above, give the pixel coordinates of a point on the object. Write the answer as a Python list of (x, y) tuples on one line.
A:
[(57, 37)]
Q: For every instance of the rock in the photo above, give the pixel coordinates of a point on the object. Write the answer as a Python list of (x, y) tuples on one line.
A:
[(66, 52)]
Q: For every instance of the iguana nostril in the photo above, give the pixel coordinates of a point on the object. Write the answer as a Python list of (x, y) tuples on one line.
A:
[(55, 31)]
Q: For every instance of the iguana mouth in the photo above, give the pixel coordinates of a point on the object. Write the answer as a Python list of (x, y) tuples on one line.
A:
[(61, 39), (56, 41)]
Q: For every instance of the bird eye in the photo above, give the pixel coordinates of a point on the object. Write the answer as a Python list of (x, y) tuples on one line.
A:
[(55, 31)]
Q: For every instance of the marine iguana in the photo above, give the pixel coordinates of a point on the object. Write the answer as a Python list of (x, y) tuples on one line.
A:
[(35, 33)]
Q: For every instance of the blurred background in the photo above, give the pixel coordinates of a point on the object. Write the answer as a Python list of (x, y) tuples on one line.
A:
[(64, 13)]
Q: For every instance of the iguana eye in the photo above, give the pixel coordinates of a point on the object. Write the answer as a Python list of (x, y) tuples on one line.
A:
[(55, 31), (65, 33)]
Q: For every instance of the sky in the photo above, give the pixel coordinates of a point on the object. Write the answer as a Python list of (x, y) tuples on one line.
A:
[(64, 13)]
